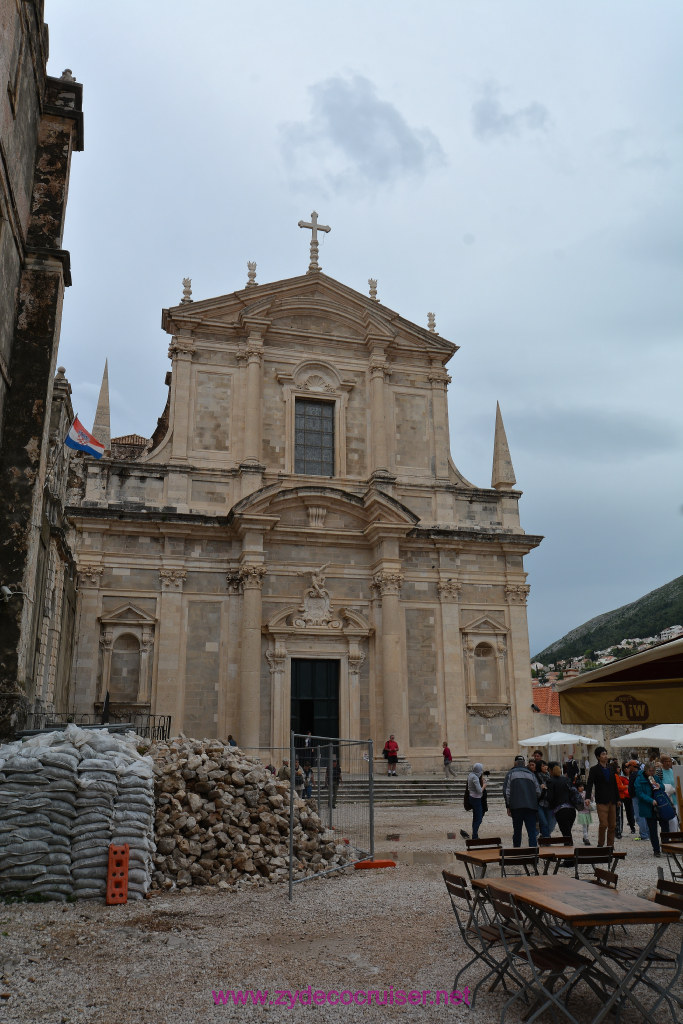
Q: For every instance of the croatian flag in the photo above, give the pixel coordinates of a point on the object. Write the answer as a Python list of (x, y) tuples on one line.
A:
[(80, 440)]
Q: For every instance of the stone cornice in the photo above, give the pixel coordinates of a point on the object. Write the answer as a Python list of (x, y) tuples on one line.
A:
[(437, 533)]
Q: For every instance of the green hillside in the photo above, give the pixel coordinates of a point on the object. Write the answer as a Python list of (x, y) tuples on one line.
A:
[(647, 616)]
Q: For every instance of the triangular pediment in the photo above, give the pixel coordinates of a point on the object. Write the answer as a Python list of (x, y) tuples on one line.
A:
[(127, 614), (484, 624), (313, 305)]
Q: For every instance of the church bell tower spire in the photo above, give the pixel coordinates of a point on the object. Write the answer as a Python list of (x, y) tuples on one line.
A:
[(503, 475), (101, 428)]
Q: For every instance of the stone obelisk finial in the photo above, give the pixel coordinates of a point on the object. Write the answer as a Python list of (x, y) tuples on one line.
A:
[(503, 475), (101, 428), (314, 228)]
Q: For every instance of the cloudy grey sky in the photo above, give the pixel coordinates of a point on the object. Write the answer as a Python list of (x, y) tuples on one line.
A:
[(513, 166)]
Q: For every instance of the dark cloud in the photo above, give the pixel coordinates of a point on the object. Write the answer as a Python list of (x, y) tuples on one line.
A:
[(490, 121), (353, 137), (591, 435)]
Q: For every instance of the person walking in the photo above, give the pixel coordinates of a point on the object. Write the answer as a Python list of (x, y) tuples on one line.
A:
[(583, 815), (308, 781), (448, 769), (521, 791), (391, 748), (571, 769), (626, 798), (633, 767), (645, 785), (562, 801), (476, 785), (669, 780), (602, 779), (546, 816), (335, 777)]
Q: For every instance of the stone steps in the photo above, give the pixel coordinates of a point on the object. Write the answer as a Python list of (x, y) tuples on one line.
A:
[(402, 790)]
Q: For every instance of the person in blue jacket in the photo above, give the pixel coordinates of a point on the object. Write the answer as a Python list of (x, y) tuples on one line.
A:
[(645, 785)]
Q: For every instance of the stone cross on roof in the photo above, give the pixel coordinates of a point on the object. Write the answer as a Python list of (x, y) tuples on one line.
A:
[(314, 228)]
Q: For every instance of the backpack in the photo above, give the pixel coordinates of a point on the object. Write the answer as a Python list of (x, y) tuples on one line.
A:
[(466, 799), (665, 809), (623, 786)]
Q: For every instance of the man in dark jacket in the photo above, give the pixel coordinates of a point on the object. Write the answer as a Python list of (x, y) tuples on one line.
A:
[(602, 776), (521, 791)]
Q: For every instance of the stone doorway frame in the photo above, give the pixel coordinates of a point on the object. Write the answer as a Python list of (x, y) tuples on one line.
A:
[(342, 641)]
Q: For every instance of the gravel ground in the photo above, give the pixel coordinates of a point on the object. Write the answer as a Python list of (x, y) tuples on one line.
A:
[(157, 961)]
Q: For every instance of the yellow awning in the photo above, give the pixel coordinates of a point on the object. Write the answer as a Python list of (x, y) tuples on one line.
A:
[(646, 689)]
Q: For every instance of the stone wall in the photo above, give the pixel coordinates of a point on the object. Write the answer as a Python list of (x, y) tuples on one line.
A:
[(41, 127)]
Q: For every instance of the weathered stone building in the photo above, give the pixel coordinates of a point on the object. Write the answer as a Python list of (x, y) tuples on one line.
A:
[(40, 127), (295, 546)]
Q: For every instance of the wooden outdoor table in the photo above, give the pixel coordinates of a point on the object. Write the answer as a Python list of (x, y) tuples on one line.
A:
[(583, 907), (674, 858), (560, 853), (478, 858)]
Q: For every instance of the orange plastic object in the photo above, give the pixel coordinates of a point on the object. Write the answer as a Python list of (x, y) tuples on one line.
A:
[(374, 864), (117, 876)]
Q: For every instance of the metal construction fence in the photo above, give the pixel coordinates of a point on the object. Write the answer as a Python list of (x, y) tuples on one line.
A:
[(318, 767)]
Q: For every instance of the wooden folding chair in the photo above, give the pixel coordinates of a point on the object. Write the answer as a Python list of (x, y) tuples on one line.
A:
[(538, 970), (484, 844), (666, 959), (590, 856), (674, 860), (480, 937), (605, 878), (518, 857), (552, 841)]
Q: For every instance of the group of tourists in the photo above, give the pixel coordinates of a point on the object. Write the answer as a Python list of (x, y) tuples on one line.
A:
[(541, 795)]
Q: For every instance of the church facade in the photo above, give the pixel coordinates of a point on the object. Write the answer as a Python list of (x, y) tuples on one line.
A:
[(294, 546)]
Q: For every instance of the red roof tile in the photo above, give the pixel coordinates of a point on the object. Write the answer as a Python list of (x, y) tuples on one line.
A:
[(547, 700)]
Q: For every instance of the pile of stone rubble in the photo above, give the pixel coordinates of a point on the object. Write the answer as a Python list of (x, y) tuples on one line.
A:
[(223, 819), (64, 797)]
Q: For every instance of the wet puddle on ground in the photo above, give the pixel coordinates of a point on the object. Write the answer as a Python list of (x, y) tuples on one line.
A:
[(442, 858)]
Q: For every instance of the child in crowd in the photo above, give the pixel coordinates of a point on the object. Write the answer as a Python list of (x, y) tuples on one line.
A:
[(583, 816)]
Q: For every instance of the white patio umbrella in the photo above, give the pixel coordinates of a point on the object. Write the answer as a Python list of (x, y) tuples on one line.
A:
[(556, 739), (657, 736)]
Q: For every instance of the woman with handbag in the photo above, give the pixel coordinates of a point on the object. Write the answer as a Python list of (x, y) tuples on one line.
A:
[(476, 787), (654, 803)]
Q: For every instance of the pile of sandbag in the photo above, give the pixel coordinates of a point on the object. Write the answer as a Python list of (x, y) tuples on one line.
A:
[(222, 819), (64, 797)]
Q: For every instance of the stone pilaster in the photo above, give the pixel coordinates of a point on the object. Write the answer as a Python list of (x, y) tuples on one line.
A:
[(280, 699), (251, 577), (440, 380), (387, 584), (146, 656), (519, 673), (106, 646), (253, 352), (169, 696), (453, 670), (87, 651), (379, 372), (181, 350)]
